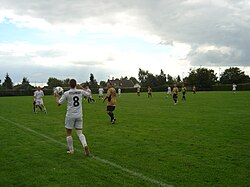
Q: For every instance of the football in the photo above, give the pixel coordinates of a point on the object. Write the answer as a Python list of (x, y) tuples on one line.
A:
[(58, 90)]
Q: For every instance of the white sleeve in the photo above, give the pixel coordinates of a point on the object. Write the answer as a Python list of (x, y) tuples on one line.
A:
[(85, 93), (62, 99)]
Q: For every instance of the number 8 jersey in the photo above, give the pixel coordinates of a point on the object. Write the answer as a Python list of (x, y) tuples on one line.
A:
[(74, 101)]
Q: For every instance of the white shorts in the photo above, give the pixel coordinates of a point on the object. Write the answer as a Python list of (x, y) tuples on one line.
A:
[(39, 101), (71, 123)]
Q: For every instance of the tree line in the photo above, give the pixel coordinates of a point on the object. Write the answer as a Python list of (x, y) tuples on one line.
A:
[(202, 78)]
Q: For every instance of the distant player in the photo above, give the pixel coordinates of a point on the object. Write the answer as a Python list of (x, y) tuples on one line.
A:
[(194, 89), (73, 118), (119, 92), (100, 92), (175, 94), (169, 93), (38, 100), (90, 98), (149, 92), (111, 102), (183, 91), (234, 88), (138, 90)]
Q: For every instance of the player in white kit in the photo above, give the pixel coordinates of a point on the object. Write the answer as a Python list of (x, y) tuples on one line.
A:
[(73, 117), (38, 99), (100, 91), (234, 87)]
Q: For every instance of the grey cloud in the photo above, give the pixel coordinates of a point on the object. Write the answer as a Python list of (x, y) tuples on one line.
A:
[(215, 23)]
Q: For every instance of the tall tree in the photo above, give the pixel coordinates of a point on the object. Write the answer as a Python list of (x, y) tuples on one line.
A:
[(54, 82), (234, 75), (178, 79), (7, 84), (65, 82), (170, 79), (91, 78), (93, 83), (202, 77), (142, 76), (161, 79), (25, 81)]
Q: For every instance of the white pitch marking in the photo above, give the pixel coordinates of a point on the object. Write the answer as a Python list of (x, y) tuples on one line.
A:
[(104, 161)]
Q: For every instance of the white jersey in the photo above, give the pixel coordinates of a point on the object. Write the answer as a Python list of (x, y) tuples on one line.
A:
[(169, 90), (38, 94), (74, 101), (234, 87), (100, 90)]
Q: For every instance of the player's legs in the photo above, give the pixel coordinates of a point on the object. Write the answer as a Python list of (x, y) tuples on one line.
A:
[(69, 124), (110, 112), (69, 140), (81, 136), (37, 104), (175, 98)]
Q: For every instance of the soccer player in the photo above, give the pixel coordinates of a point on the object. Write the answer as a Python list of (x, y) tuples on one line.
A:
[(149, 92), (119, 92), (169, 91), (38, 100), (194, 89), (234, 87), (138, 90), (100, 91), (73, 117), (111, 102), (175, 94), (90, 98), (184, 91)]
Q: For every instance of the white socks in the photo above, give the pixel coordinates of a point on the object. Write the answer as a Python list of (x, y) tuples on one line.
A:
[(69, 140), (81, 138)]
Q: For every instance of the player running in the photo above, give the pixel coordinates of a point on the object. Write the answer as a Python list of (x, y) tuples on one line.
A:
[(100, 91), (149, 92), (73, 117), (184, 91), (175, 94), (111, 102), (234, 87), (38, 100)]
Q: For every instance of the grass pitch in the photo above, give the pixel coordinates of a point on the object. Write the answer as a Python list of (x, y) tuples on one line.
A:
[(203, 141)]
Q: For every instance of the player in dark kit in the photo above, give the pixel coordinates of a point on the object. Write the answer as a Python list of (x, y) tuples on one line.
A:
[(175, 94), (111, 102), (184, 91)]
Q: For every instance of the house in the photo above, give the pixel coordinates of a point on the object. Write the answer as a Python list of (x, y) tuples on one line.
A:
[(122, 83)]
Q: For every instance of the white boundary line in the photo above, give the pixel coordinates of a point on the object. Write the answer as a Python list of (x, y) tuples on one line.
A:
[(133, 173)]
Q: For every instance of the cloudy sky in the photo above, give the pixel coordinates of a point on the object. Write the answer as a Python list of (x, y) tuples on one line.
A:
[(114, 38)]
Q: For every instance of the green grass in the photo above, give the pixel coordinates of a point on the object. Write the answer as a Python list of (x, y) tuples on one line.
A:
[(201, 142)]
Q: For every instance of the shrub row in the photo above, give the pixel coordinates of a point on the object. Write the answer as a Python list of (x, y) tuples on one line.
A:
[(219, 87)]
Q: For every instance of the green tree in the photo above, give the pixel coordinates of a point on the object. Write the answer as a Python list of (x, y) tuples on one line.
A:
[(93, 83), (7, 84), (170, 80), (25, 81), (54, 82), (202, 78), (178, 79), (142, 76), (103, 84), (161, 79), (234, 75), (25, 85)]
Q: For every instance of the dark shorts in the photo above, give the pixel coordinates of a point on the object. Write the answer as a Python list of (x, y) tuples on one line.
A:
[(110, 108), (175, 96)]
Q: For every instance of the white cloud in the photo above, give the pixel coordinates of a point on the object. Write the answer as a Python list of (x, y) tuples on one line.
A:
[(211, 33)]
